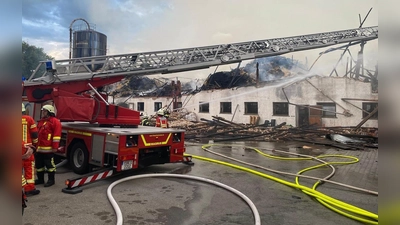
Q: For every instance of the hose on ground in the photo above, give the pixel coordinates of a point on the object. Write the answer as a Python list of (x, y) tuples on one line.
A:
[(257, 219), (333, 204), (298, 175)]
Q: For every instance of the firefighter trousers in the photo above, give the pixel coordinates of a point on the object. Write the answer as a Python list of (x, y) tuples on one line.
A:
[(29, 173), (45, 162)]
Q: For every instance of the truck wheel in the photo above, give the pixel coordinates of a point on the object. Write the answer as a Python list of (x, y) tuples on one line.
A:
[(79, 158)]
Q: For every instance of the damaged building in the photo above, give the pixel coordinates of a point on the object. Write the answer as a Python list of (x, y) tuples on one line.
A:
[(271, 91)]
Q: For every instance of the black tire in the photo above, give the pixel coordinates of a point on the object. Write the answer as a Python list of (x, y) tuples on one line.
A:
[(79, 158)]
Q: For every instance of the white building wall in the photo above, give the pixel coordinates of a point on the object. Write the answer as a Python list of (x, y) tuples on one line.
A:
[(300, 93), (335, 88), (148, 103)]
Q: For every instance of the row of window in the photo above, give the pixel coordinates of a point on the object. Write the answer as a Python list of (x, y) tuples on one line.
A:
[(282, 108), (140, 106), (279, 108)]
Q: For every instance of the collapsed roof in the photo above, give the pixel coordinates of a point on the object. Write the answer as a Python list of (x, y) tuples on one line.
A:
[(269, 69)]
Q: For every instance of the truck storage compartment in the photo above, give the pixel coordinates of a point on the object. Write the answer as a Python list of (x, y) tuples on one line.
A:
[(150, 156)]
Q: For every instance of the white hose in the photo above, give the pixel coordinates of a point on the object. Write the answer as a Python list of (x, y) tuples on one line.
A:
[(62, 163), (257, 220)]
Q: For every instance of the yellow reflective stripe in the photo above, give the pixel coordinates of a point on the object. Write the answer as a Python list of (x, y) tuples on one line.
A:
[(41, 169), (80, 132), (53, 164), (23, 181), (155, 143), (49, 137), (44, 148), (33, 126), (24, 133), (56, 138), (32, 180), (35, 140)]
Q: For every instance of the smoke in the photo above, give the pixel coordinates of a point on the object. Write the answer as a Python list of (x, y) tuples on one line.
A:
[(274, 68), (192, 85)]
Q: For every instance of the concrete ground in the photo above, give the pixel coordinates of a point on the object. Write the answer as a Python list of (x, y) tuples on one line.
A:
[(172, 201)]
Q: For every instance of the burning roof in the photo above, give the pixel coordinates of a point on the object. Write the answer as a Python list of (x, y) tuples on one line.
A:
[(269, 69)]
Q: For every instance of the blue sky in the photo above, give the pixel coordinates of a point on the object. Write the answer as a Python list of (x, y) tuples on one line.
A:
[(153, 25)]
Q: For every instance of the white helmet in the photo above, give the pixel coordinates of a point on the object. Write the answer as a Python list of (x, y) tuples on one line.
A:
[(160, 112), (49, 108), (23, 107)]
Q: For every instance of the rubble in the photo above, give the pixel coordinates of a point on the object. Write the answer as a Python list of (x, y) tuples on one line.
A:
[(220, 129)]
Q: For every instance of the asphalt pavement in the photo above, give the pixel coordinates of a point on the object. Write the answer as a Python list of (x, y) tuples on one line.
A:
[(175, 201)]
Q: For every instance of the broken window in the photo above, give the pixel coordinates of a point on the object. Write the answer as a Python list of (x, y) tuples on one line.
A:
[(251, 108), (330, 107), (226, 107), (204, 107), (140, 106), (280, 108), (369, 107), (157, 106)]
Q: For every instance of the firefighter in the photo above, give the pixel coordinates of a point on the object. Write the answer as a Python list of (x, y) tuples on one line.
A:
[(49, 139), (145, 121), (30, 137), (161, 120), (27, 152), (166, 115)]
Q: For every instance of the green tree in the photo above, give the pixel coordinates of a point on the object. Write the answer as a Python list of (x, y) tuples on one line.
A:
[(31, 56)]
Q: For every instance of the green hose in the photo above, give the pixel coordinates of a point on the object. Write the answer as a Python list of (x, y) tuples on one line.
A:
[(338, 206)]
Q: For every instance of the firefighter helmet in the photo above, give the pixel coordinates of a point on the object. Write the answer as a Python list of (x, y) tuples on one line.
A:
[(23, 107), (160, 112), (49, 108), (166, 114)]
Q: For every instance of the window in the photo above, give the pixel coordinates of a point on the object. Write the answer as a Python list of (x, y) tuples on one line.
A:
[(280, 108), (140, 106), (330, 107), (369, 107), (157, 106), (226, 107), (251, 108), (204, 107)]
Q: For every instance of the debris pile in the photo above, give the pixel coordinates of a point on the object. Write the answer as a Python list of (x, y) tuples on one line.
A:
[(220, 129)]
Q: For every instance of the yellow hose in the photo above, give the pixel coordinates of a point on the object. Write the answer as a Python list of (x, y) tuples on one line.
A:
[(331, 203)]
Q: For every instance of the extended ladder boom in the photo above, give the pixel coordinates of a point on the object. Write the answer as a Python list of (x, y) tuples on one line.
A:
[(179, 60)]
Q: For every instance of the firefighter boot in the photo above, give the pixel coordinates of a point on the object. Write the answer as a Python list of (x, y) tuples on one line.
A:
[(51, 181), (40, 178)]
